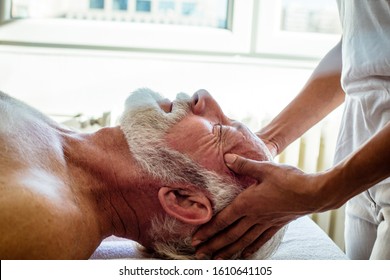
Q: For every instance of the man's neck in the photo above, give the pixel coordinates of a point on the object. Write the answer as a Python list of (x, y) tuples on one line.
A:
[(110, 183)]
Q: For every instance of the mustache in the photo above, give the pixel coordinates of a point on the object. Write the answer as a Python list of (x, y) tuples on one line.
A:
[(143, 113)]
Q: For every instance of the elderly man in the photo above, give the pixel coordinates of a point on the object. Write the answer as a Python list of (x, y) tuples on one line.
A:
[(154, 179)]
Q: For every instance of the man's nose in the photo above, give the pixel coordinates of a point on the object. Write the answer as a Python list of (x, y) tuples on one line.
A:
[(200, 101)]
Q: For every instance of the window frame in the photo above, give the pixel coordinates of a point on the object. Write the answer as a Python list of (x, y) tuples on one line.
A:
[(5, 11), (128, 35)]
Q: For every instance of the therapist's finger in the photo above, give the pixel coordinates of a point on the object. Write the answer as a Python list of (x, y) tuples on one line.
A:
[(260, 241), (244, 244), (221, 221), (227, 241), (248, 167)]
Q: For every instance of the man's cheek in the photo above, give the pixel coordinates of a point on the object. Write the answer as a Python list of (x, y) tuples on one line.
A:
[(208, 158)]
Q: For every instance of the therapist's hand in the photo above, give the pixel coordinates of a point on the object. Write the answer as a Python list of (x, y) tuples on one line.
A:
[(282, 193)]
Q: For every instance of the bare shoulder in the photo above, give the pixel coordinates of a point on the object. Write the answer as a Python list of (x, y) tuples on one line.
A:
[(26, 135), (17, 116), (40, 217), (35, 218), (11, 107)]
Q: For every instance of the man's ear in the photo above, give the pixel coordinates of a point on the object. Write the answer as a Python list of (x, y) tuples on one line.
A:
[(188, 205)]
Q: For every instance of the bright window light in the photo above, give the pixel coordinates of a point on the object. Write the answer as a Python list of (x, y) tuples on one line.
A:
[(297, 27), (210, 13), (309, 16)]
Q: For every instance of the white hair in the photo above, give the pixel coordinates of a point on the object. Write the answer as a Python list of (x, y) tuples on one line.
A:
[(144, 125)]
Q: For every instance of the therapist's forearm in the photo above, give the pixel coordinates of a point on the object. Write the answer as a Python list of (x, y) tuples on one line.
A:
[(321, 95), (361, 170)]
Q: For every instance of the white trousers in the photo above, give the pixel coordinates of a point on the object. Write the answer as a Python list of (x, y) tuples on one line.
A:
[(367, 224)]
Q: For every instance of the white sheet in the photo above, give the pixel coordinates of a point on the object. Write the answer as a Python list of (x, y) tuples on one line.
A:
[(304, 240)]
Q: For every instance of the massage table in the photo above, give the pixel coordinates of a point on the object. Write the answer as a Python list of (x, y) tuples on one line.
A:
[(304, 240)]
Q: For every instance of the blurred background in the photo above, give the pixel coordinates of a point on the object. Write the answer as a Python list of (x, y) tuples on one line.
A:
[(77, 61)]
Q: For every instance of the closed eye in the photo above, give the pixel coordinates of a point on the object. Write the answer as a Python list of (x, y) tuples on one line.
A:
[(220, 129)]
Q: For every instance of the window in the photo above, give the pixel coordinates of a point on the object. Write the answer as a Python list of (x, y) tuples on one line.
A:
[(188, 8), (96, 4), (309, 16), (211, 13), (120, 5), (144, 6), (298, 28), (166, 6), (212, 26)]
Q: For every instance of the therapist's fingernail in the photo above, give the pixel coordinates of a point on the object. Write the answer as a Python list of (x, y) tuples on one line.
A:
[(196, 242), (230, 158)]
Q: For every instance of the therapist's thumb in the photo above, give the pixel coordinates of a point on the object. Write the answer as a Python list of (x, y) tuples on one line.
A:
[(244, 166)]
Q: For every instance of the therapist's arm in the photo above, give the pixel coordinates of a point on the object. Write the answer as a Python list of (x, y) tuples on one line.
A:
[(321, 94), (284, 193)]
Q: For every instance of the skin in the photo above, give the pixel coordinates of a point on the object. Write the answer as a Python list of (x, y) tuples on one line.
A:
[(283, 193), (63, 192), (213, 134)]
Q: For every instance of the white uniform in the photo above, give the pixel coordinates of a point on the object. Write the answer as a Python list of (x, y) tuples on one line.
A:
[(366, 81)]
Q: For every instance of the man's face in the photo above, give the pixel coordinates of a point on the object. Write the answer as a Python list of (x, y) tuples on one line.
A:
[(182, 144), (192, 126), (205, 134)]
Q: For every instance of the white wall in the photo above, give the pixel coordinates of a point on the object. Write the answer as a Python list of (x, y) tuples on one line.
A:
[(68, 81)]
